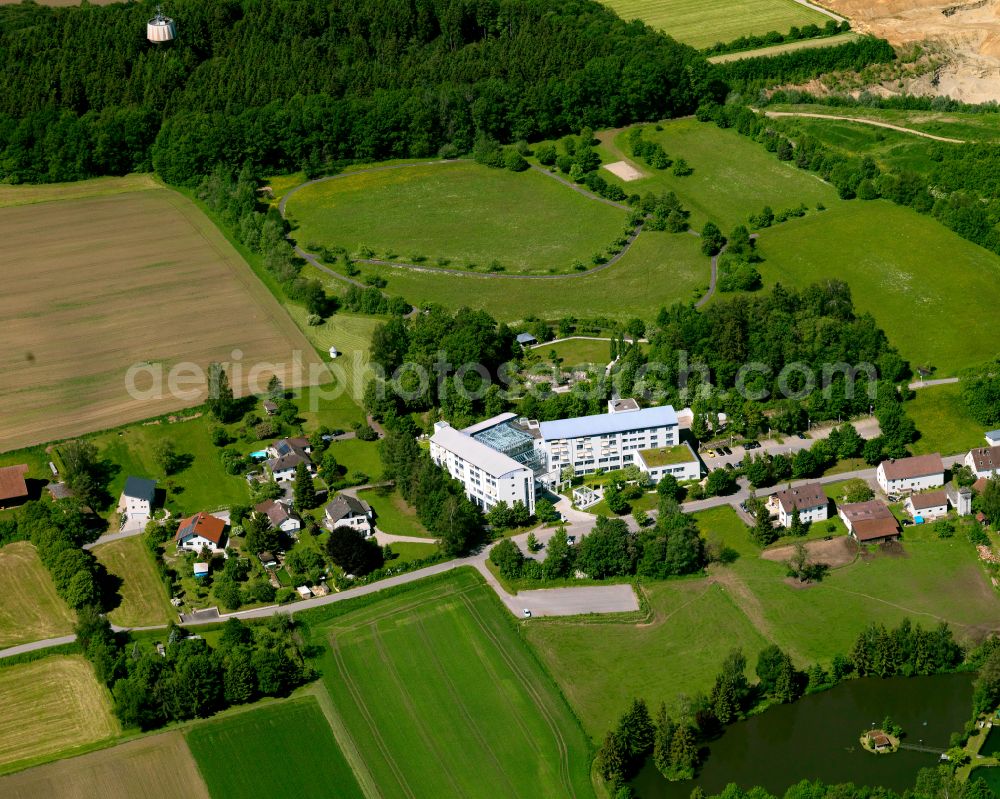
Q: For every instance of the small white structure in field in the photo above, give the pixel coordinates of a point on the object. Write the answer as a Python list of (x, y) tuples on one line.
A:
[(334, 353), (160, 28)]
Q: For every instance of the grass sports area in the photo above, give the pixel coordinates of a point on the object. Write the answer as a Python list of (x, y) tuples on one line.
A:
[(99, 277), (30, 608), (704, 24), (434, 694), (460, 212), (749, 604)]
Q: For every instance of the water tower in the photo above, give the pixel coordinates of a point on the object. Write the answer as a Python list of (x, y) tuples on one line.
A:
[(160, 29)]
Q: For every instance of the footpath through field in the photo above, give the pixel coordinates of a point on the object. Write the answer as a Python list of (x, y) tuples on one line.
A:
[(862, 121)]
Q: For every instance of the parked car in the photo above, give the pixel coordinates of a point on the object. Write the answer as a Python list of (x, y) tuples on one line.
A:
[(751, 445), (527, 613), (803, 436), (726, 451), (708, 453)]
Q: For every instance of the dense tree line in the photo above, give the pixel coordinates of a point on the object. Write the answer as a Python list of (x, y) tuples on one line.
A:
[(287, 84), (749, 74), (931, 783), (771, 38), (907, 650), (441, 504), (193, 679), (865, 99)]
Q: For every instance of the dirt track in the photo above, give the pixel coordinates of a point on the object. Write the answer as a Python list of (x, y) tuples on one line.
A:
[(861, 121)]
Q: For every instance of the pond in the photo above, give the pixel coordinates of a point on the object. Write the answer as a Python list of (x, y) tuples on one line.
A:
[(817, 738)]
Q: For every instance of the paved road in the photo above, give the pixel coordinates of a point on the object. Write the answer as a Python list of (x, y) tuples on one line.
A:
[(941, 381), (861, 121), (821, 10), (21, 649)]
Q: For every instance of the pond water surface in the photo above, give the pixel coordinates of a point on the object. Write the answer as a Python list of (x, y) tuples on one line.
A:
[(817, 738)]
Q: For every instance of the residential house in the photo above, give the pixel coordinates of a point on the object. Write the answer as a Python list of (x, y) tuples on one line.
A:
[(984, 461), (348, 511), (286, 455), (13, 488), (202, 530), (905, 475), (137, 499), (810, 499), (281, 517), (270, 408), (869, 522), (267, 560), (526, 340), (927, 504)]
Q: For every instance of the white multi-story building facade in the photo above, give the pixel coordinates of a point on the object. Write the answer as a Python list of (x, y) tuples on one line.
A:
[(811, 501), (984, 461), (606, 441), (488, 475), (905, 475)]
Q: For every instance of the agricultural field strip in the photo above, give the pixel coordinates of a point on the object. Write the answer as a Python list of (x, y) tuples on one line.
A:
[(314, 259), (785, 47), (863, 121)]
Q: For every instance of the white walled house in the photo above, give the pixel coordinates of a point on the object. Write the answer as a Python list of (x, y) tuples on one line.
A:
[(348, 511), (488, 475), (984, 461), (280, 516), (910, 474), (928, 505), (679, 460), (606, 441), (202, 530), (286, 455), (810, 499), (869, 522), (136, 501)]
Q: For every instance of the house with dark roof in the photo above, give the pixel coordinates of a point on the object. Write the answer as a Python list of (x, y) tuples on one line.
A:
[(526, 340), (280, 516), (869, 522), (136, 501), (348, 511), (904, 475), (13, 488), (200, 531), (285, 456), (811, 500), (927, 504), (270, 408), (984, 461)]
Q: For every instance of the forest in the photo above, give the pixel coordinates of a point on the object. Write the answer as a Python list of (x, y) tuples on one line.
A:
[(287, 84)]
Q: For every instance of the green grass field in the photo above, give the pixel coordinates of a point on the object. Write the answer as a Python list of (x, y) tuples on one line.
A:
[(392, 514), (357, 455), (282, 749), (30, 608), (434, 689), (942, 421), (892, 258), (407, 551), (733, 176), (658, 270), (204, 485), (695, 622), (577, 352), (461, 211), (143, 599), (787, 47), (704, 24)]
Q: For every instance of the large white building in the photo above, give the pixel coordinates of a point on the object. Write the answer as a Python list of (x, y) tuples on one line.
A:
[(608, 440), (984, 461), (489, 475), (905, 475), (810, 499)]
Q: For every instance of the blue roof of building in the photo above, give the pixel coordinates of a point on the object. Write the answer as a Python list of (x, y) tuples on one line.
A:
[(993, 434), (140, 488), (524, 338), (606, 423)]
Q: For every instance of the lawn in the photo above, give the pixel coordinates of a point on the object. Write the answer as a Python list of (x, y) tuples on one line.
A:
[(358, 456), (748, 604), (155, 767), (733, 176), (392, 514), (407, 551), (437, 690), (892, 258), (201, 485), (942, 421), (281, 749), (51, 706), (30, 608), (787, 47), (577, 352), (99, 284), (659, 269), (705, 23), (144, 601), (461, 211)]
